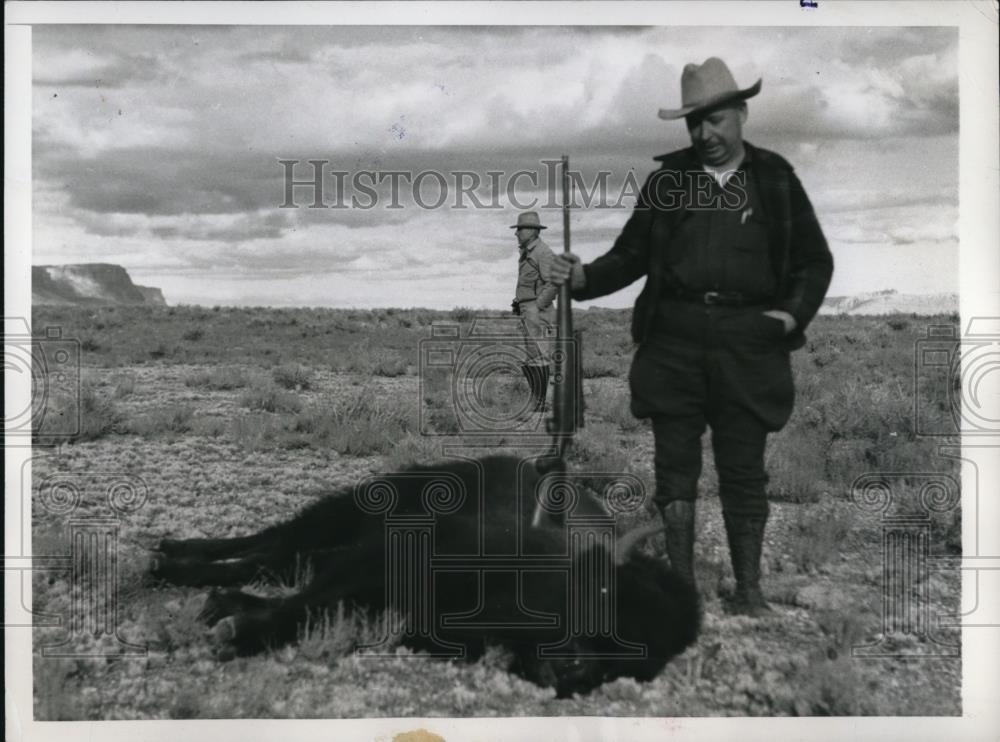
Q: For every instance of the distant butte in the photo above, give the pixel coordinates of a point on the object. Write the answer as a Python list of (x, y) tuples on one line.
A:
[(891, 302), (89, 284)]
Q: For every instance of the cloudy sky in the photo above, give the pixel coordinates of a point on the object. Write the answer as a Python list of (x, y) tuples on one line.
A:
[(158, 148)]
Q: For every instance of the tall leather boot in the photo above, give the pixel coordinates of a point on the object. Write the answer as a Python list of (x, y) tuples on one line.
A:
[(746, 540), (678, 518)]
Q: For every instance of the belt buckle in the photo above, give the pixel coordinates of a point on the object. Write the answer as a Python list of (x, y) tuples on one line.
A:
[(711, 297)]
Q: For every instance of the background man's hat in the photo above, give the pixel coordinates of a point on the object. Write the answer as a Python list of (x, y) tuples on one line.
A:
[(528, 220), (707, 86)]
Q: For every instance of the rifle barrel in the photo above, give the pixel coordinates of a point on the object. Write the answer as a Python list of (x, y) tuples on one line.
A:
[(565, 193)]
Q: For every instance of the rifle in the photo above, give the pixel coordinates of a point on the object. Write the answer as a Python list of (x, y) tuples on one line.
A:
[(567, 404)]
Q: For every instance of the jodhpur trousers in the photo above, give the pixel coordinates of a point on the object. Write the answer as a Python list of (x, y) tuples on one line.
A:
[(722, 367), (539, 331)]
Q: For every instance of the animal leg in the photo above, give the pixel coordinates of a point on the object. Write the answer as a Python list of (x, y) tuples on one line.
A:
[(249, 632), (211, 549), (223, 603), (203, 574), (338, 580)]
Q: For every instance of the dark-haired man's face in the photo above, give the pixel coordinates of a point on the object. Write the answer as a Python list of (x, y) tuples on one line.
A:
[(525, 235), (717, 134)]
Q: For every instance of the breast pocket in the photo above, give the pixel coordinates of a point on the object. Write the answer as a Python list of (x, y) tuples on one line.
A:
[(749, 265)]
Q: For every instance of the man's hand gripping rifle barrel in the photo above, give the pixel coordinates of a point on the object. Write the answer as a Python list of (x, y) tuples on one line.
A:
[(567, 406)]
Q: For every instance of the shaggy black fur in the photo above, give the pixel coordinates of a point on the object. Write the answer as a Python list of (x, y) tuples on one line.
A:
[(521, 604)]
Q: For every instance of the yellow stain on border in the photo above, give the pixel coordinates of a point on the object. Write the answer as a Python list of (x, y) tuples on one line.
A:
[(417, 735)]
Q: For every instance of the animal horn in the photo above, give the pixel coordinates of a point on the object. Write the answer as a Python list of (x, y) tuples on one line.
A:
[(633, 538)]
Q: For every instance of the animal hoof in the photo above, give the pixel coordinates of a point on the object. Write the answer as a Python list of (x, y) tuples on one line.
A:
[(155, 563), (167, 545), (225, 630), (215, 608)]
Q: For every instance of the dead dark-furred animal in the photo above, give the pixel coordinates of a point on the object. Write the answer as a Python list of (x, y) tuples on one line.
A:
[(450, 549)]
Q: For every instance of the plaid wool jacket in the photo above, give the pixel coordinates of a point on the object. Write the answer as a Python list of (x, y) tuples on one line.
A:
[(799, 253)]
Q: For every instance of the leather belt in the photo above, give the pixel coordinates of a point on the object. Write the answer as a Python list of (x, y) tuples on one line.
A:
[(719, 298)]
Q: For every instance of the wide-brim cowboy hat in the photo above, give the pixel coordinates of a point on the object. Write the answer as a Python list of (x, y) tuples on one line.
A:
[(528, 220), (706, 86)]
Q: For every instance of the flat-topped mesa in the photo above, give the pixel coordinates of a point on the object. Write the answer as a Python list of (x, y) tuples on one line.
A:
[(890, 302), (89, 284)]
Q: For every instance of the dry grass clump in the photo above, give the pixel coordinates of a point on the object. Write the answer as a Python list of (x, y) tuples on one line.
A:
[(257, 431), (209, 426), (174, 626), (373, 360), (160, 351), (124, 385), (99, 415), (270, 398), (819, 532), (597, 460), (84, 416), (172, 420), (358, 427), (362, 426), (218, 378), (327, 635), (497, 404), (597, 447), (612, 404), (292, 376), (831, 687), (797, 466), (410, 450), (599, 366)]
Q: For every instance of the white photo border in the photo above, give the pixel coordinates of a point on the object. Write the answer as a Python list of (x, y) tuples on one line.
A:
[(979, 272)]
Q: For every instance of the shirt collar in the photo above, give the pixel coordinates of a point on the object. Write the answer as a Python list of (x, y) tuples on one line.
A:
[(740, 165), (695, 163)]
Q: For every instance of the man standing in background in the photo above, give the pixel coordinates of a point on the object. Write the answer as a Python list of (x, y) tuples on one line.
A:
[(533, 302), (736, 266)]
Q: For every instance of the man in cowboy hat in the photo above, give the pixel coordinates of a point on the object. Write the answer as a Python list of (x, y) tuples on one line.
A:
[(533, 299), (736, 266)]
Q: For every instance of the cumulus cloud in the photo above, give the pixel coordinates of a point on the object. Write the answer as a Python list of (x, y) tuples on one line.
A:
[(165, 141)]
